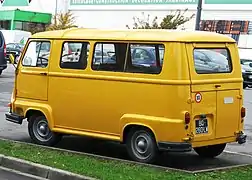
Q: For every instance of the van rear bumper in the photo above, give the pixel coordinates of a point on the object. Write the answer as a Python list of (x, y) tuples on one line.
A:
[(15, 118), (174, 147)]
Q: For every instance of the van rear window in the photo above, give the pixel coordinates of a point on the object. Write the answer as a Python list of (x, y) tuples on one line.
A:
[(212, 61)]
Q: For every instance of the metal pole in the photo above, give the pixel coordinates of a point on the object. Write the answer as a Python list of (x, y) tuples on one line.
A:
[(198, 17), (56, 7)]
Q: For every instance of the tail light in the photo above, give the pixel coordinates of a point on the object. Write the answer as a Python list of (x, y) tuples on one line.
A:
[(10, 107), (5, 51), (243, 112), (187, 118), (69, 50)]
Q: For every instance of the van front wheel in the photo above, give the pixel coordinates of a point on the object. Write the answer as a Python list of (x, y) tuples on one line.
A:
[(210, 151), (141, 145), (40, 132)]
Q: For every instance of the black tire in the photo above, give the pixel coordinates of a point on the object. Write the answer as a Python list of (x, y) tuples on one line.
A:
[(50, 138), (1, 71), (16, 60), (210, 151), (244, 86), (146, 137)]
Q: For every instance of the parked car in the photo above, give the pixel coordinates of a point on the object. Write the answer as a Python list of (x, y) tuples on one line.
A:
[(141, 56), (210, 61), (145, 56), (3, 62), (15, 49), (246, 65)]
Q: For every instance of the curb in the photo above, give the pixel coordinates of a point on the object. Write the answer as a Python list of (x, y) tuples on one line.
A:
[(39, 170), (100, 157)]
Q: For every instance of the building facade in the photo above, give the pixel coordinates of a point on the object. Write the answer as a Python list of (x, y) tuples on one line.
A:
[(28, 15), (230, 17)]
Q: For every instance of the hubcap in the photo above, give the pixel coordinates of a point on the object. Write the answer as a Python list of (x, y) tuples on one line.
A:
[(141, 146), (42, 131)]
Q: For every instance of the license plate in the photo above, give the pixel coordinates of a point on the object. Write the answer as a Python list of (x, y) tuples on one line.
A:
[(201, 126)]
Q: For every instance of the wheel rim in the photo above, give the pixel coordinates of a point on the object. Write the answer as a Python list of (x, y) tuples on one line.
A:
[(41, 130), (141, 145)]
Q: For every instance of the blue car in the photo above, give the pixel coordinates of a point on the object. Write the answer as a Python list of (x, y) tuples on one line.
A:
[(3, 61)]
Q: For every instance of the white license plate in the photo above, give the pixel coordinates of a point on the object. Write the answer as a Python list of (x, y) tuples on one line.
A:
[(201, 126)]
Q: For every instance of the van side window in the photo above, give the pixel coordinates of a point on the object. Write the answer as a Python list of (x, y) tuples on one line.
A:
[(210, 61), (74, 55), (109, 57), (140, 58), (145, 58), (37, 54)]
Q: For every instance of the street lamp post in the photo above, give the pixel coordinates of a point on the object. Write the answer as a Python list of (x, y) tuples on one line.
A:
[(198, 17), (56, 7)]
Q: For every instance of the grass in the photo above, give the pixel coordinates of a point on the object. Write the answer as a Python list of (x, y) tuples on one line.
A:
[(108, 170)]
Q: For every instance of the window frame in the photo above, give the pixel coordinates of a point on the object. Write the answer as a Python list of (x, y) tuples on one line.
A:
[(93, 54), (73, 42), (149, 44), (230, 61), (27, 47)]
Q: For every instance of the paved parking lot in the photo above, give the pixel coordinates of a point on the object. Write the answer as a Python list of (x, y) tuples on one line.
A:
[(182, 161)]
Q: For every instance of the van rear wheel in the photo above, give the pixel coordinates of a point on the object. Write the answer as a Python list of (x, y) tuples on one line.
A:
[(40, 132), (210, 151), (141, 145)]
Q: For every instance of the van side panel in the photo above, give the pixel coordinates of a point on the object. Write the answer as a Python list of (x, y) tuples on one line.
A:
[(102, 104)]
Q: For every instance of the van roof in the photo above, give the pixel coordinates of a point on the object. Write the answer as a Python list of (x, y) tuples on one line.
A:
[(136, 34)]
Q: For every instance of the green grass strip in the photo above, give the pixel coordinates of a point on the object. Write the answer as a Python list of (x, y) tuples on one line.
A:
[(109, 170)]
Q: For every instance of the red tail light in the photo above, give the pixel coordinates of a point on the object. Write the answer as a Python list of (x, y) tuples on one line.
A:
[(243, 112), (69, 50), (5, 51), (187, 118)]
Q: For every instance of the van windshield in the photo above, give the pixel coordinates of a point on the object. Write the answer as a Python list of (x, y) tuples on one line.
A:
[(208, 61)]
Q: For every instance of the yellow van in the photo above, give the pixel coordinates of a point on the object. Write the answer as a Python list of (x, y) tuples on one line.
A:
[(153, 90)]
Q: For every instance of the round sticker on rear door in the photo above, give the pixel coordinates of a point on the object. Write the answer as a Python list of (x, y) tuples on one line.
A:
[(198, 97)]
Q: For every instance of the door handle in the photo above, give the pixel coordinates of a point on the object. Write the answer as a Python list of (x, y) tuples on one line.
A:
[(43, 73), (217, 86)]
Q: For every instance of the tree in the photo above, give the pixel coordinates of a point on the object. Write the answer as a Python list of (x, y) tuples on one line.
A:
[(170, 21), (62, 21)]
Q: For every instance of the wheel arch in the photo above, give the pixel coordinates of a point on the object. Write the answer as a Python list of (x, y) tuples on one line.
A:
[(128, 127), (37, 111)]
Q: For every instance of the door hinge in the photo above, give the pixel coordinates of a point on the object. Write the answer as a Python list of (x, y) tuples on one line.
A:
[(190, 101), (189, 137), (239, 96)]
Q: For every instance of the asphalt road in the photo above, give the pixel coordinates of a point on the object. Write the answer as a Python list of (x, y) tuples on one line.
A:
[(187, 161), (6, 174)]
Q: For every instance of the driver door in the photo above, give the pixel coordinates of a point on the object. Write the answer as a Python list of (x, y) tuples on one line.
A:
[(32, 77)]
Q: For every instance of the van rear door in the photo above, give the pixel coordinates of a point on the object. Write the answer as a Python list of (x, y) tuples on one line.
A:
[(216, 90)]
